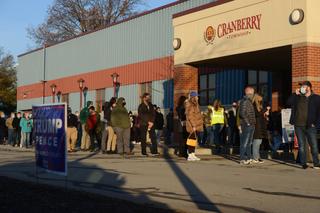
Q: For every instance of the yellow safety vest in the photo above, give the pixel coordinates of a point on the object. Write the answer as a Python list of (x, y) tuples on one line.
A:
[(217, 117)]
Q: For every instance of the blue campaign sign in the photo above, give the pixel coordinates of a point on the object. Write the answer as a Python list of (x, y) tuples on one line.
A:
[(49, 134)]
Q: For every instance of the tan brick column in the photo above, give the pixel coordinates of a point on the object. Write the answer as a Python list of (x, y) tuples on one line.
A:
[(306, 65), (185, 80)]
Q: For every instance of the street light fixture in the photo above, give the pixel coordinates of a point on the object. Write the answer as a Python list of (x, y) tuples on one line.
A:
[(116, 84), (59, 93), (81, 84), (53, 90)]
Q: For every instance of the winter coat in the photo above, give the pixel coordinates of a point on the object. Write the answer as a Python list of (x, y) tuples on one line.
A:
[(92, 121), (260, 131), (120, 116), (9, 123), (16, 123), (159, 121), (246, 113), (146, 114), (169, 119), (313, 109), (193, 117), (26, 125)]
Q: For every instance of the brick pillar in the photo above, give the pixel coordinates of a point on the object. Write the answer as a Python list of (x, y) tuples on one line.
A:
[(185, 80), (306, 65)]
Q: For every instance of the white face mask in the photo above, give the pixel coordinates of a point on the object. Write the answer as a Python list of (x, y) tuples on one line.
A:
[(303, 90), (12, 116)]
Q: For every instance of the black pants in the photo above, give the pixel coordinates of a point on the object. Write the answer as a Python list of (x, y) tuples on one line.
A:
[(143, 135)]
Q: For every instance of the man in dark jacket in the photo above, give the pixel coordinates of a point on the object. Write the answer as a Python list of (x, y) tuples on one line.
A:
[(169, 129), (147, 118), (305, 116), (17, 129), (72, 132), (247, 126)]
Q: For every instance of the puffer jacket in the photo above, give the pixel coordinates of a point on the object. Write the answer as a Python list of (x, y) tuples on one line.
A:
[(193, 117), (246, 113)]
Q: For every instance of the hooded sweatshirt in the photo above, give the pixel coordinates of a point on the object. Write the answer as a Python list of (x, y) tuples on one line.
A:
[(120, 116)]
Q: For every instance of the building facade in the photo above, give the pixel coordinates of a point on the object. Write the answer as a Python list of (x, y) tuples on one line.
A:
[(219, 47)]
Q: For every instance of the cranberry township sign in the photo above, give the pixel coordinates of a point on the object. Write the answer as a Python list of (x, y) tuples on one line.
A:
[(233, 29)]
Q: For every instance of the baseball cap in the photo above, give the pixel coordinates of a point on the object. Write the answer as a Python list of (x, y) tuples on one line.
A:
[(193, 94), (306, 83)]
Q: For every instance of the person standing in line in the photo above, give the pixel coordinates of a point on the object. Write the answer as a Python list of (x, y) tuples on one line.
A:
[(84, 115), (17, 129), (72, 132), (147, 118), (11, 131), (181, 133), (79, 130), (109, 133), (232, 130), (305, 116), (169, 127), (121, 123), (3, 128), (218, 121), (26, 125), (260, 131), (92, 124), (194, 122), (247, 126), (158, 124)]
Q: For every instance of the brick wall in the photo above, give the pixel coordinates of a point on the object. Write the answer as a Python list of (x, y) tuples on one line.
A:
[(306, 65), (185, 80)]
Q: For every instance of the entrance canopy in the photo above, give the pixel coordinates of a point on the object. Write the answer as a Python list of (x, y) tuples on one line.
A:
[(225, 28)]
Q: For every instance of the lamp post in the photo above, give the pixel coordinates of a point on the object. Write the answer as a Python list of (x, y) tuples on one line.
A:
[(59, 93), (115, 83), (43, 90), (81, 82), (85, 92), (53, 90)]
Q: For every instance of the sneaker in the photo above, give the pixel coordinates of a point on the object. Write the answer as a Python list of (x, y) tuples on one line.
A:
[(191, 158), (155, 154), (244, 162), (316, 166), (195, 157), (255, 161), (304, 166)]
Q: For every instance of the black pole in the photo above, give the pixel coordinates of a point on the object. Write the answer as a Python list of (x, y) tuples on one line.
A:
[(44, 74)]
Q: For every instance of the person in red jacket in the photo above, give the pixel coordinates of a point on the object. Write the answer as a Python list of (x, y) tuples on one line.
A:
[(91, 126)]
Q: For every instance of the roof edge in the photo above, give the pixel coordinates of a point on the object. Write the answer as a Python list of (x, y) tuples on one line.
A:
[(202, 7)]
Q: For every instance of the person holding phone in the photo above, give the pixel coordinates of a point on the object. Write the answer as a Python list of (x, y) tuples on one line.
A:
[(305, 116)]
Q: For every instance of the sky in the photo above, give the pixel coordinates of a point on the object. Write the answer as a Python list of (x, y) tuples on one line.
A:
[(17, 15)]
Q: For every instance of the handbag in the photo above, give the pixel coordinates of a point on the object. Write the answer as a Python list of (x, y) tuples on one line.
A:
[(192, 141)]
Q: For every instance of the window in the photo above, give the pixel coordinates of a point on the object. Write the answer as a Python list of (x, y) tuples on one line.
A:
[(146, 87), (100, 99), (207, 88), (259, 80), (65, 98)]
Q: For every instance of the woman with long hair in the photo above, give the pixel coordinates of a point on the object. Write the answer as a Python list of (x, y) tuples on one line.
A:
[(194, 122), (260, 131)]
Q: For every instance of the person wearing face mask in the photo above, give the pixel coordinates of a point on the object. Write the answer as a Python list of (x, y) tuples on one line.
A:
[(11, 132), (247, 126), (305, 116), (17, 129)]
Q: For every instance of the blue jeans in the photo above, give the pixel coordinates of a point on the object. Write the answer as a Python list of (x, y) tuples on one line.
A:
[(256, 148), (246, 138), (307, 134), (11, 136), (276, 142), (158, 134)]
